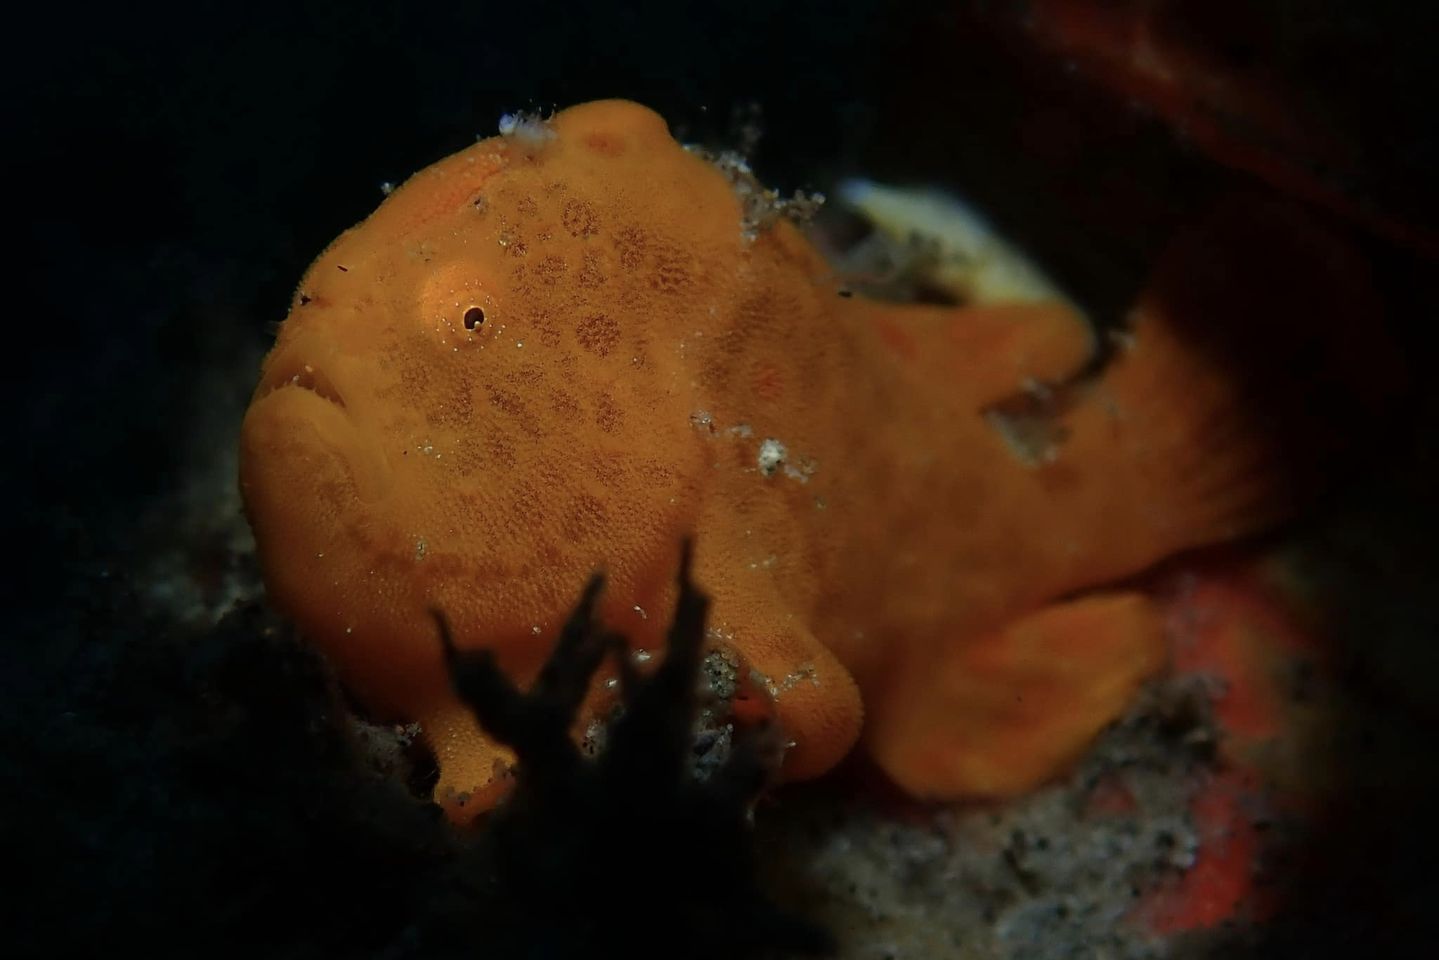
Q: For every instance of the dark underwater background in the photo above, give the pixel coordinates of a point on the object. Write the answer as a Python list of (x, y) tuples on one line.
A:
[(170, 171)]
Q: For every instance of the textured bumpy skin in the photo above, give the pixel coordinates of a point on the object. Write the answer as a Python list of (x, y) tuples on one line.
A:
[(558, 351)]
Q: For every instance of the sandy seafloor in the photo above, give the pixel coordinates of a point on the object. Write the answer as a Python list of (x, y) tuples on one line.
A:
[(175, 171)]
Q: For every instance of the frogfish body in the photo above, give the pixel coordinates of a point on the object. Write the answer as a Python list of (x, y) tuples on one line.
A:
[(569, 349)]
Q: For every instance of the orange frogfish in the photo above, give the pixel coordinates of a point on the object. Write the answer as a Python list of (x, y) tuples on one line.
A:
[(570, 347)]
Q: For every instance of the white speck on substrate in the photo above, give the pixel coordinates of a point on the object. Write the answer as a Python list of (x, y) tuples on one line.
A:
[(800, 471), (529, 130), (806, 672), (387, 187), (642, 656), (641, 611), (741, 430), (421, 545), (535, 629), (772, 455)]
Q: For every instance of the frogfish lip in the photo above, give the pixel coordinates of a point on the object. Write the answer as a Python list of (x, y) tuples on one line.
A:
[(291, 368), (301, 399)]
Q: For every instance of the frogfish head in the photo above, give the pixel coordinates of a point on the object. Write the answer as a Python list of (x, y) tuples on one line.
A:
[(480, 396)]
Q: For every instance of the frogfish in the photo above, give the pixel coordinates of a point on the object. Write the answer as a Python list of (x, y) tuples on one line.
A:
[(569, 348)]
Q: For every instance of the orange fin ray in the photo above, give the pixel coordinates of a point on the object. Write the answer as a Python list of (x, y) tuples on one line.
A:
[(1001, 714), (1254, 363)]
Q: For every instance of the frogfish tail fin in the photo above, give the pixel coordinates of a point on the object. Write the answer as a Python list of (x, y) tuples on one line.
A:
[(1256, 358)]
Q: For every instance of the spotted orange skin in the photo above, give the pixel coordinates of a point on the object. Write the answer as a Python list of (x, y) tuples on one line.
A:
[(559, 351)]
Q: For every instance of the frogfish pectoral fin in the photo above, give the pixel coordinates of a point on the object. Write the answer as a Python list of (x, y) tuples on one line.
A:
[(811, 695), (995, 351), (474, 769), (1001, 713)]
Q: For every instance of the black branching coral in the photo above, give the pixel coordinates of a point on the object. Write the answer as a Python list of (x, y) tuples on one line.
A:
[(627, 854), (202, 791)]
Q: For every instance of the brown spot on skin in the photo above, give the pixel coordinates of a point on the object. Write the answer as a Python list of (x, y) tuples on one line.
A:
[(507, 401), (670, 273), (512, 240), (586, 518), (564, 403), (547, 329), (609, 417), (414, 379), (591, 273), (604, 144), (580, 219), (630, 245), (527, 503), (527, 207), (552, 476), (502, 451), (529, 375), (609, 471), (550, 271), (656, 473), (598, 334)]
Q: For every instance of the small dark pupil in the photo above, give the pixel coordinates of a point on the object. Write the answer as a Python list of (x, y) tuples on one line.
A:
[(474, 317)]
